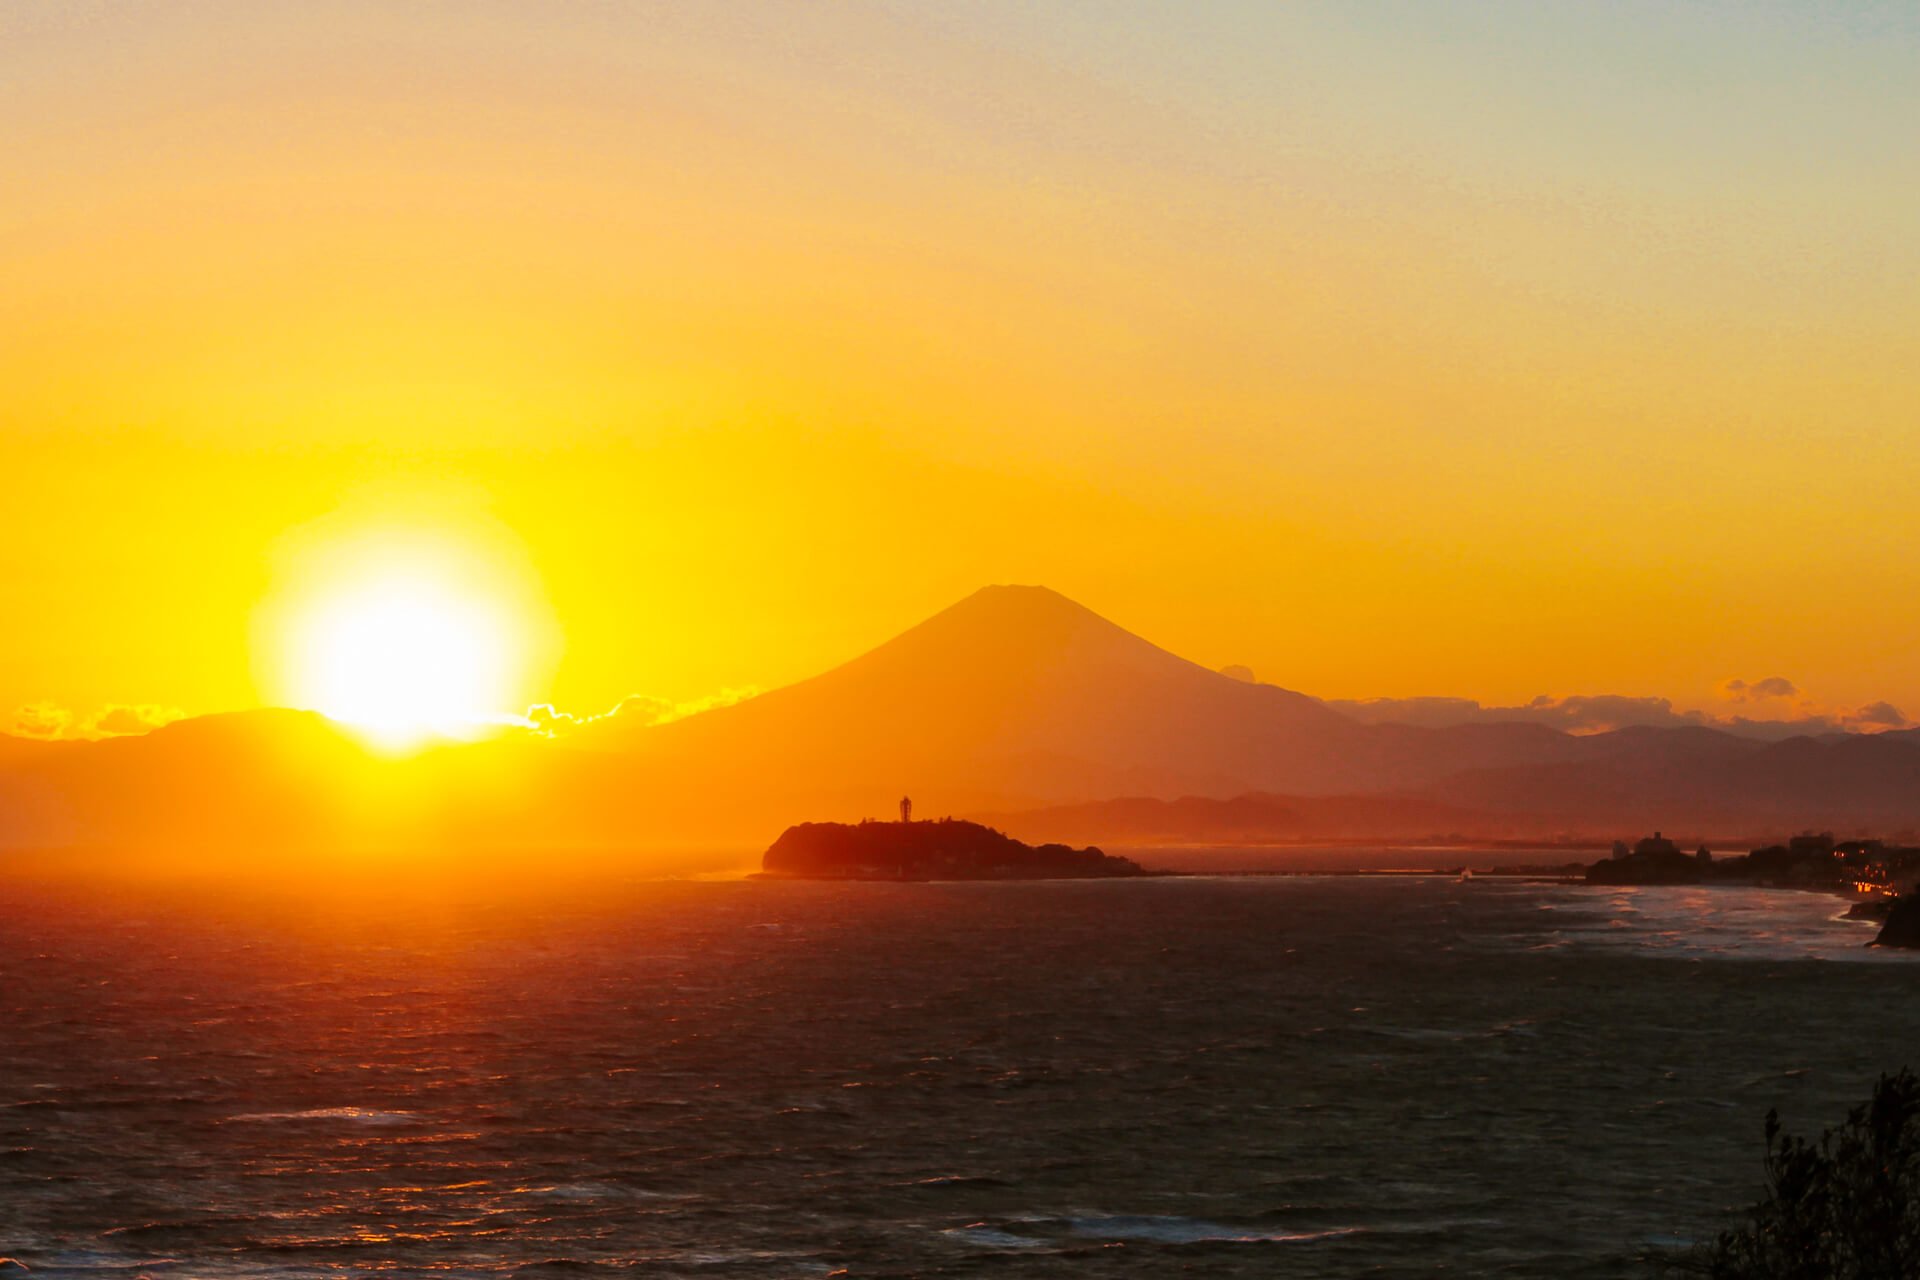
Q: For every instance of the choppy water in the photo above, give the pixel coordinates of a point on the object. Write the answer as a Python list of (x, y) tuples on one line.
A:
[(1309, 1077)]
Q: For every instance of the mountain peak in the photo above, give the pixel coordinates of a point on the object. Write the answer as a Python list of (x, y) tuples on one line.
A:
[(1014, 694), (1016, 605), (1002, 629), (1020, 602), (1018, 591)]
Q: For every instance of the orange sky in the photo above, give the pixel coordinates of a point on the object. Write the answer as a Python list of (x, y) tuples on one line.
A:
[(1384, 351)]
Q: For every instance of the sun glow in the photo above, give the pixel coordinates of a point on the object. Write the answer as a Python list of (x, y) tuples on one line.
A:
[(406, 658), (409, 625)]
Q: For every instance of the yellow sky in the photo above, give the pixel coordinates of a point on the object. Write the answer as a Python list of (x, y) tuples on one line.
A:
[(1511, 358)]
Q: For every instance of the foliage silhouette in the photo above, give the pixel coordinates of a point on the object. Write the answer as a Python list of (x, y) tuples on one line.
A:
[(1844, 1208)]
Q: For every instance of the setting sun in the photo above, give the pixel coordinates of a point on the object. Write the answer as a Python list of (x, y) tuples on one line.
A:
[(405, 658), (421, 621)]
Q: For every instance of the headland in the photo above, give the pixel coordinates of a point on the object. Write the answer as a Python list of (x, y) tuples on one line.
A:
[(946, 849)]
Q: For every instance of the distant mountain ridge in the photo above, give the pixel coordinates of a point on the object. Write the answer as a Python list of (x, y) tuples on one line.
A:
[(1016, 700), (1018, 694), (1254, 818)]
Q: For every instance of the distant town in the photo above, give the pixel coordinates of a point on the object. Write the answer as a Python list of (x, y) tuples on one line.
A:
[(1808, 861)]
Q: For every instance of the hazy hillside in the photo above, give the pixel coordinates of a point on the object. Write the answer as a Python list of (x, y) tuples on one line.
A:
[(1016, 701), (1839, 782)]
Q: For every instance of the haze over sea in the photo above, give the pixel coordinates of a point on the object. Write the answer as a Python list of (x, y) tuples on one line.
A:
[(1326, 1076)]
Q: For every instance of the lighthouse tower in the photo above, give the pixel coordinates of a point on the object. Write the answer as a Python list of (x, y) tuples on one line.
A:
[(906, 808)]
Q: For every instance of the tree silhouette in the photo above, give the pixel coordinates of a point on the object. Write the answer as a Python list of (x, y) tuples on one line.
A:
[(1844, 1208)]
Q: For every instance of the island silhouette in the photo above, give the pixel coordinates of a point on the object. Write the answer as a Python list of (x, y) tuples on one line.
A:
[(946, 849)]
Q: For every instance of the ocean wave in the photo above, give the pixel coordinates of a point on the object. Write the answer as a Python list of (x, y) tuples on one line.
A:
[(1038, 1232), (1170, 1229), (590, 1192), (984, 1236), (357, 1115), (1719, 922)]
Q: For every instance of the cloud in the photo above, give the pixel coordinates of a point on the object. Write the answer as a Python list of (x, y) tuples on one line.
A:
[(1598, 713), (42, 720), (544, 718), (724, 698), (119, 719), (1578, 713), (1595, 713), (1759, 690), (635, 709), (50, 721), (642, 709), (1876, 715)]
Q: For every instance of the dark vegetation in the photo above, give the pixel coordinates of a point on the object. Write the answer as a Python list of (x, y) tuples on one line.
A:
[(1844, 1208), (948, 849), (1809, 861)]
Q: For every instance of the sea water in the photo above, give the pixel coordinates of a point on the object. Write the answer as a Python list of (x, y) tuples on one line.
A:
[(1308, 1076)]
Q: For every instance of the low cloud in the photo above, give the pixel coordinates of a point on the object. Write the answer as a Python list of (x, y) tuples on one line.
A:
[(1601, 713), (1578, 713), (1595, 713), (545, 719), (1759, 690), (50, 721), (41, 720), (636, 709), (1877, 715), (119, 720), (724, 698)]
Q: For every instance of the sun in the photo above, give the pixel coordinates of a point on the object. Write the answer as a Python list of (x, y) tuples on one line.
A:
[(406, 658), (412, 622)]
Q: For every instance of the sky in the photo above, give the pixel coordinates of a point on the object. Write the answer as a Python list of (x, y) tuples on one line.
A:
[(1489, 350)]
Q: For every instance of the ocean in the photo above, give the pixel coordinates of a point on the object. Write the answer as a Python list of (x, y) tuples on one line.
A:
[(1308, 1076)]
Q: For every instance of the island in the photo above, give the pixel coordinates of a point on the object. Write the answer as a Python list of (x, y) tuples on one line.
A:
[(946, 849)]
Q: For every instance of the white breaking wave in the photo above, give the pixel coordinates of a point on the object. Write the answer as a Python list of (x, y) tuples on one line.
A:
[(359, 1115)]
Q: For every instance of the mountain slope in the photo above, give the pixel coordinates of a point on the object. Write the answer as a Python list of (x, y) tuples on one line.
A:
[(1018, 696), (1014, 699), (1012, 695)]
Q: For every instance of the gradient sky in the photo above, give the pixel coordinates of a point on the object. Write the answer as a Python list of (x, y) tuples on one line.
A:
[(1488, 349)]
